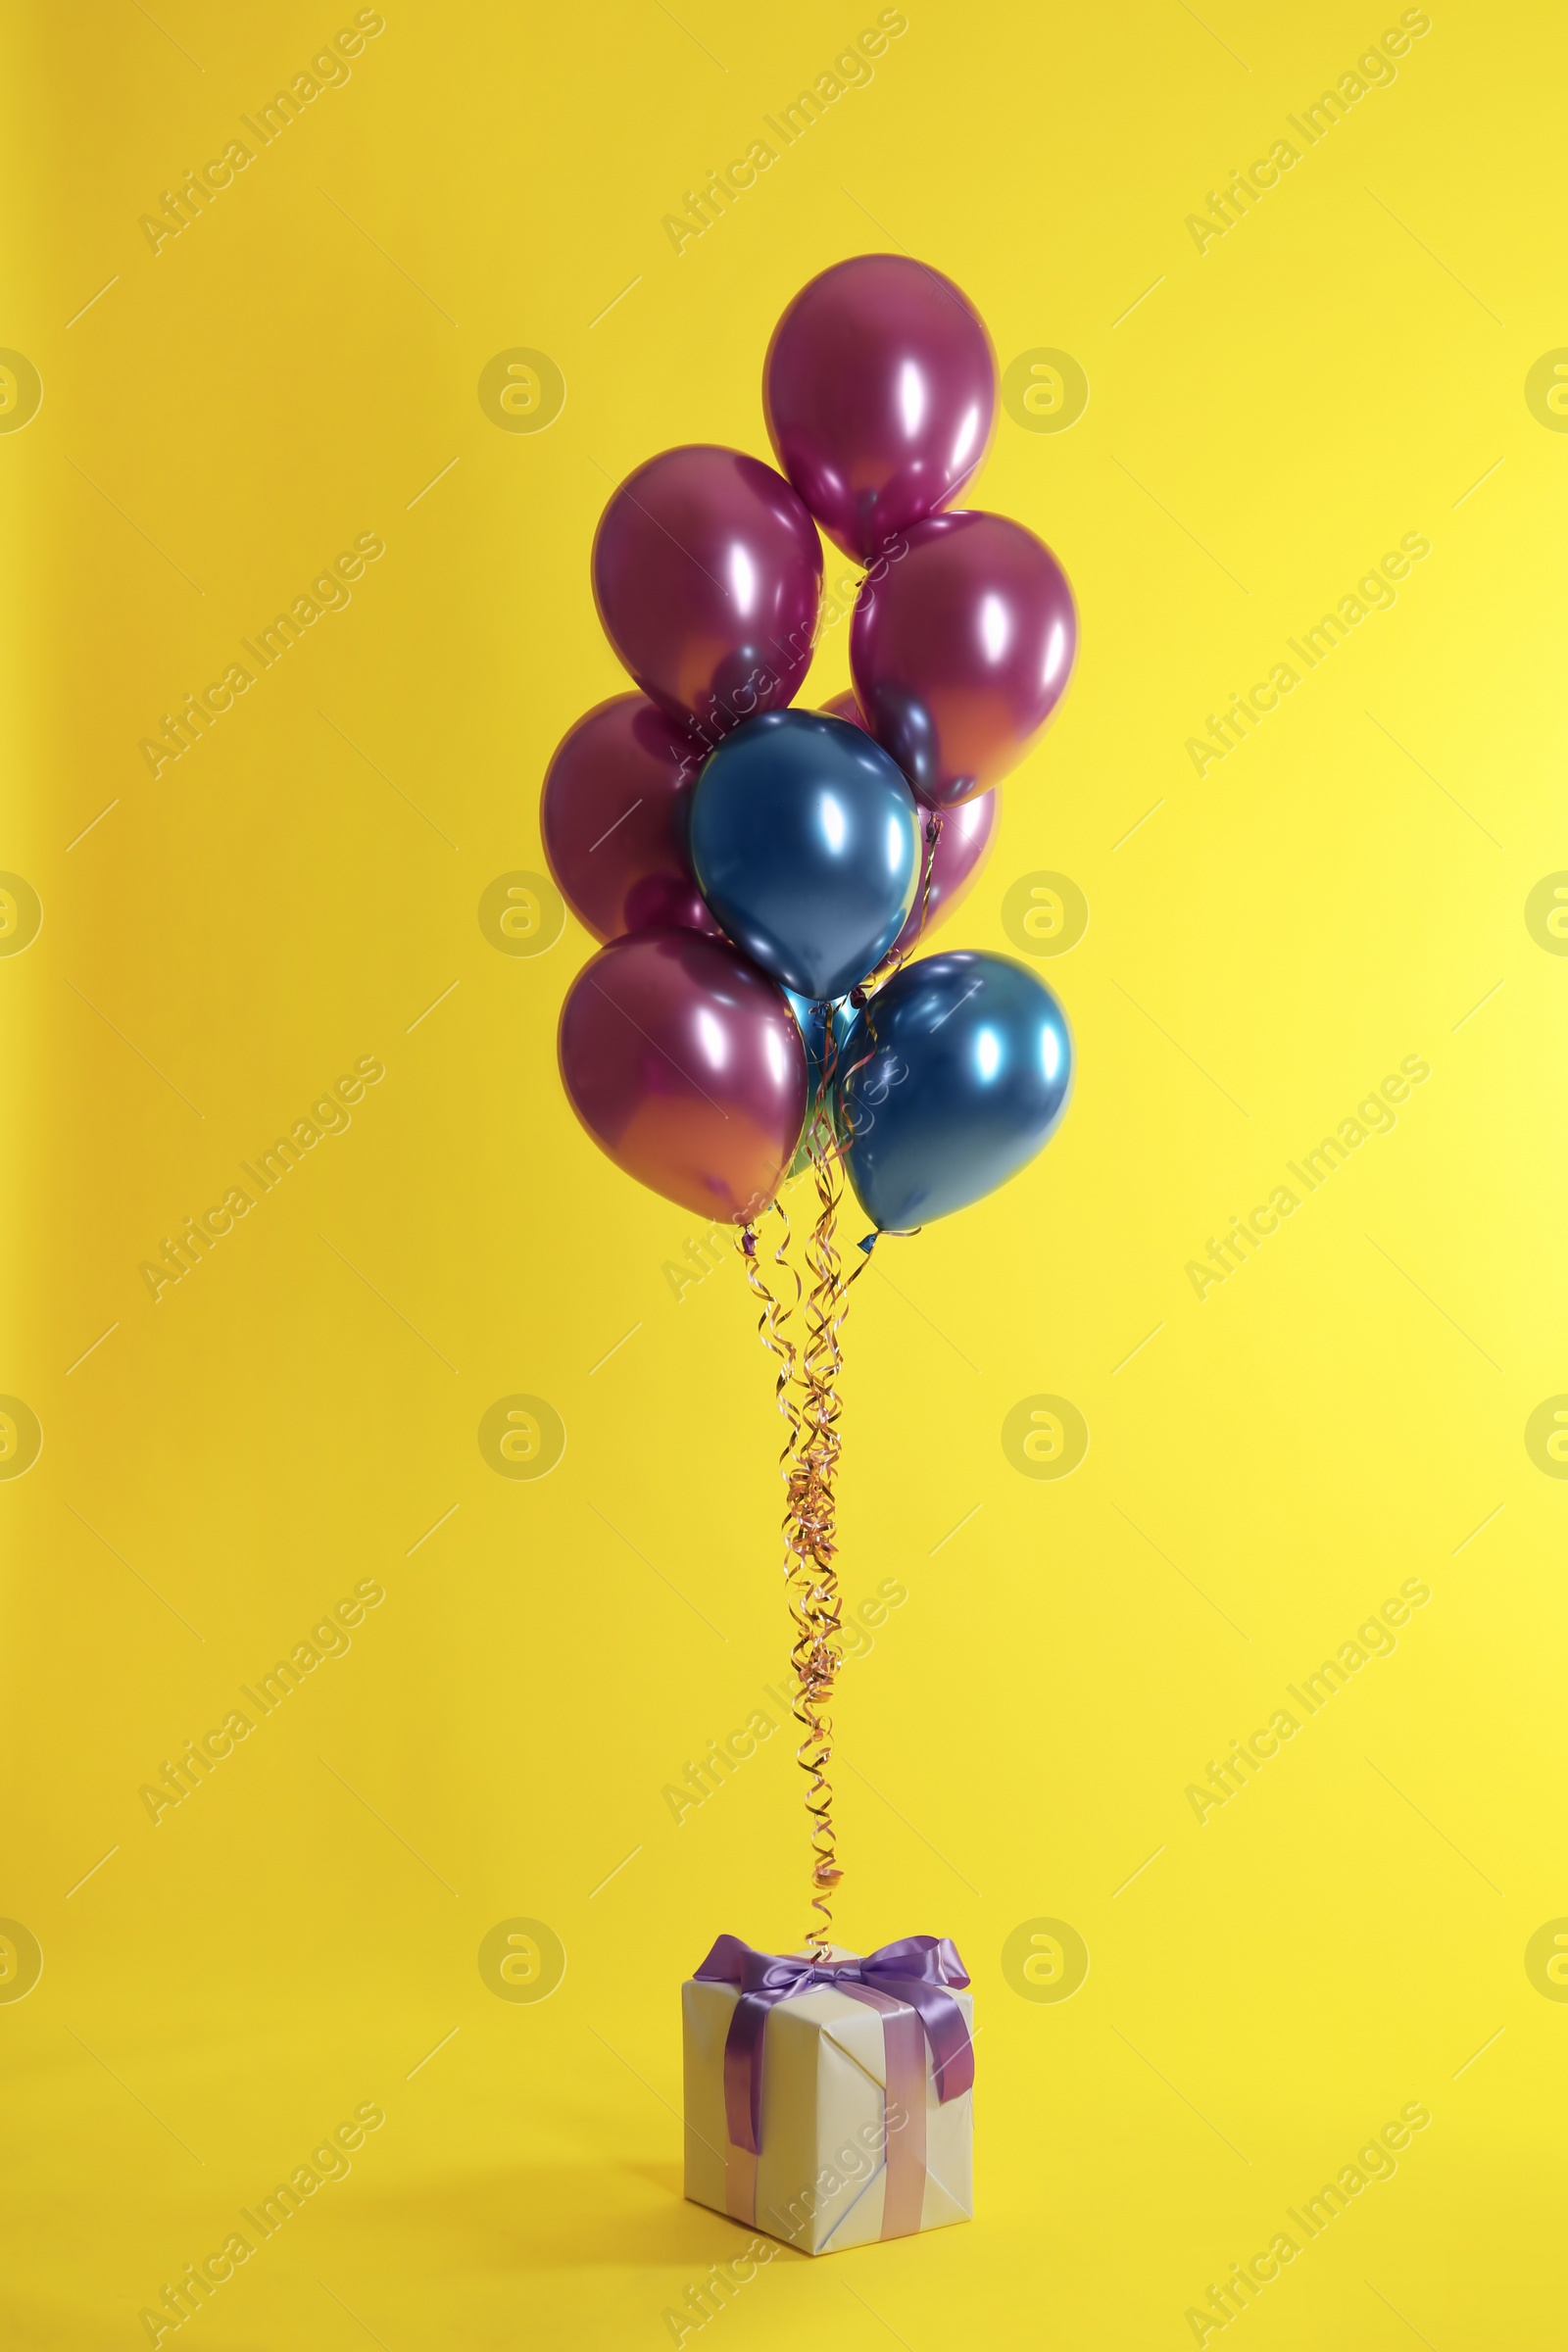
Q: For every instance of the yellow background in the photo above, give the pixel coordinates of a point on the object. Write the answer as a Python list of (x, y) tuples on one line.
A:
[(291, 1942)]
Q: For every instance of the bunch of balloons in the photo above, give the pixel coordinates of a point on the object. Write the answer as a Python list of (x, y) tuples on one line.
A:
[(759, 874), (750, 865)]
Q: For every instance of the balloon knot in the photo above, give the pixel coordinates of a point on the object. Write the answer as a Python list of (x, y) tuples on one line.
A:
[(868, 1244), (747, 1242), (858, 998)]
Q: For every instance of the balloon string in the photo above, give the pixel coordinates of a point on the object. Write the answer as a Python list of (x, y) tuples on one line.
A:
[(811, 1525), (772, 1327), (810, 1456), (864, 998), (808, 1461), (931, 835)]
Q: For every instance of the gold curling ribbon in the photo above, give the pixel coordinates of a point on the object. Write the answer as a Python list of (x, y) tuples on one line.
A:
[(864, 999), (809, 1455), (811, 1529), (773, 1322), (808, 1461), (931, 834)]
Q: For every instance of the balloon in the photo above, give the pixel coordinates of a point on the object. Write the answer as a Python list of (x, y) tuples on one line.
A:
[(615, 810), (880, 390), (953, 1076), (962, 848), (962, 652), (684, 1063), (807, 844), (708, 576)]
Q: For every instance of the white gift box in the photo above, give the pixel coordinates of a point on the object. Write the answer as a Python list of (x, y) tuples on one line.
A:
[(854, 2142)]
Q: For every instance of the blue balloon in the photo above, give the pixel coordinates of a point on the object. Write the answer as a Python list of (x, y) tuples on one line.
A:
[(953, 1077), (805, 842)]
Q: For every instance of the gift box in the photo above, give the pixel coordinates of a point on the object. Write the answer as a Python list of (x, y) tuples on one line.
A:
[(829, 2098)]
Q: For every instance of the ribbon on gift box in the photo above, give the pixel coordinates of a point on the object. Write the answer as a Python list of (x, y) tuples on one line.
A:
[(908, 1982)]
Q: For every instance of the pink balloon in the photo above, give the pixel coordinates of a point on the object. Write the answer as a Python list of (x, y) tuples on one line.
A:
[(614, 812), (962, 847), (961, 651), (880, 390), (708, 574), (686, 1065)]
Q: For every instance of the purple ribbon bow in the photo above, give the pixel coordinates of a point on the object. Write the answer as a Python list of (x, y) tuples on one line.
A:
[(918, 1971)]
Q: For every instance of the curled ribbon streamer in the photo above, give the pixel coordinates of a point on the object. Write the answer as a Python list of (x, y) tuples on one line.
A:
[(772, 1331), (810, 1529), (864, 998), (771, 1325), (932, 834), (809, 1455), (807, 1461)]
